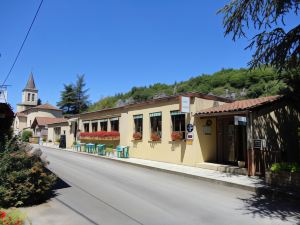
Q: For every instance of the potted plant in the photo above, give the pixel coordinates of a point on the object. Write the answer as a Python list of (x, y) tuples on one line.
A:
[(241, 164), (176, 135), (137, 136), (155, 136)]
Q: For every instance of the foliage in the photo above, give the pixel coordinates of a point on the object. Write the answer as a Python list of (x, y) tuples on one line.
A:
[(26, 134), (6, 121), (100, 134), (284, 166), (240, 83), (273, 45), (12, 217), (74, 98), (24, 179)]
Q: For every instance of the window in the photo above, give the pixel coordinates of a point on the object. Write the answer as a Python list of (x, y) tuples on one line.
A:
[(138, 123), (114, 123), (138, 127), (28, 97), (155, 124), (94, 126), (32, 97), (86, 127), (178, 123), (103, 125)]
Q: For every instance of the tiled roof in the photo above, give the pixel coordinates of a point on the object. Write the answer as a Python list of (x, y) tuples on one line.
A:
[(43, 121), (46, 106), (21, 114), (241, 105), (30, 83)]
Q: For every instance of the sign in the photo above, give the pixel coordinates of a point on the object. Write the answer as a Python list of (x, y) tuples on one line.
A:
[(240, 120), (259, 144), (184, 104), (190, 127), (190, 136), (189, 142), (207, 130)]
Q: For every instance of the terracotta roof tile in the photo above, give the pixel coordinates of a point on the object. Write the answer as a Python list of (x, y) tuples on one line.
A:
[(43, 121), (46, 106), (21, 114), (240, 105)]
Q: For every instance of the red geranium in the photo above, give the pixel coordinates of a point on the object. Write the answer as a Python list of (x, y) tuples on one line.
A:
[(2, 214), (100, 134)]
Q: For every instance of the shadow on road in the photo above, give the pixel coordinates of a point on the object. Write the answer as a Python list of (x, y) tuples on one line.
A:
[(60, 184), (276, 207)]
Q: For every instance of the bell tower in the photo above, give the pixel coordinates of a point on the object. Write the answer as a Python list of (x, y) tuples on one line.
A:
[(29, 95)]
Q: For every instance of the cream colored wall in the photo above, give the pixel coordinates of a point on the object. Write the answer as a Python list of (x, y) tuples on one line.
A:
[(42, 113), (20, 124), (51, 134), (65, 129)]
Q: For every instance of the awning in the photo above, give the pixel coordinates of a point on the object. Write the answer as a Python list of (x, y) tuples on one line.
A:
[(155, 114), (103, 120), (177, 112), (138, 116), (114, 119)]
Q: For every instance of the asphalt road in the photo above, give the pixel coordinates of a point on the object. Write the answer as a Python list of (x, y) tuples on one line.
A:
[(101, 191)]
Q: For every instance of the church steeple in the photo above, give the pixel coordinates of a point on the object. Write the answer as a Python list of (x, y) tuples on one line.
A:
[(29, 95), (30, 83)]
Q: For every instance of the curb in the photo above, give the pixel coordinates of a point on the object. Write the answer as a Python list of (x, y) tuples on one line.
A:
[(211, 180)]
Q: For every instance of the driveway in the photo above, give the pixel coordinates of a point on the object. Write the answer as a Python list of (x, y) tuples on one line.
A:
[(100, 191)]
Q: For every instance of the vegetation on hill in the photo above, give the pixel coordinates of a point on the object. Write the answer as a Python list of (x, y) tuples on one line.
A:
[(232, 83)]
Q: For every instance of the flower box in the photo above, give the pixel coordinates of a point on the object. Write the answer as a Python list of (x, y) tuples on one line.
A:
[(176, 136), (283, 179), (137, 136), (100, 135), (155, 137)]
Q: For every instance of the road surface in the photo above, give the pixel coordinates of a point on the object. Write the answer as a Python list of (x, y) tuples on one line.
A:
[(100, 191)]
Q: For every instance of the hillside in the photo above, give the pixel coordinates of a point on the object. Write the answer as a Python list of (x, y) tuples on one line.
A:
[(233, 83)]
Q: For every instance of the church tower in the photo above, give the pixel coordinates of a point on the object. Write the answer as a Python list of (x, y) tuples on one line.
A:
[(29, 95)]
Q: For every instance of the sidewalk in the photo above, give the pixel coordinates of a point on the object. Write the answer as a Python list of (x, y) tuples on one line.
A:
[(233, 180)]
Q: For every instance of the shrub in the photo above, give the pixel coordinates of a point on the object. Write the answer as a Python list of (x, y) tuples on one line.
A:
[(283, 166), (12, 217), (24, 180), (26, 134)]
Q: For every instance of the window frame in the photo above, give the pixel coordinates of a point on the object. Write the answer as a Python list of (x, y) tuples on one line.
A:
[(158, 123)]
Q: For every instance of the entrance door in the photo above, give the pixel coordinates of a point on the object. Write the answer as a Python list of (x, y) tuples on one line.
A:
[(231, 141)]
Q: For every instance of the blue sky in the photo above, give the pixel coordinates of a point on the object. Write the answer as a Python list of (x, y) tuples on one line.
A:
[(117, 44)]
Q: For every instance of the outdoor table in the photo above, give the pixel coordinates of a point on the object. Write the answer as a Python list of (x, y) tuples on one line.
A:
[(90, 147), (101, 149), (78, 147), (122, 151)]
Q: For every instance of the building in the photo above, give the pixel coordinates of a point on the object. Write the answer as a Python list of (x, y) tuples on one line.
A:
[(29, 110)]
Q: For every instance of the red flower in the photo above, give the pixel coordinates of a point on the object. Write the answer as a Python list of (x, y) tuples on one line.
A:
[(2, 215), (100, 134)]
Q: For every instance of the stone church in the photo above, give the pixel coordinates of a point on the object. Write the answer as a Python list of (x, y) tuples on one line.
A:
[(33, 116)]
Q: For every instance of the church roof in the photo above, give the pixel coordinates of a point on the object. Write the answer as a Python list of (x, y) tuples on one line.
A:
[(30, 83), (43, 121), (43, 106)]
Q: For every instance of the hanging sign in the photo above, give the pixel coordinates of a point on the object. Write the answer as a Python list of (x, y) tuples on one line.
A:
[(184, 104)]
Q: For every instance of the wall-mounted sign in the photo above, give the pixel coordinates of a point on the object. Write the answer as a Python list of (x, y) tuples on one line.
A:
[(259, 144), (190, 136), (184, 104), (240, 120), (190, 127)]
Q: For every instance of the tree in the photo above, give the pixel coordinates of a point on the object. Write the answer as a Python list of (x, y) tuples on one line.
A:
[(39, 102), (274, 45), (74, 98), (81, 97), (68, 99)]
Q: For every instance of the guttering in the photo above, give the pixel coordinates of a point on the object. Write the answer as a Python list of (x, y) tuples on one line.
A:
[(221, 114)]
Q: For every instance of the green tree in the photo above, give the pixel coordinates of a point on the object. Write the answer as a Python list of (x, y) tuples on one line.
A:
[(68, 99), (81, 97), (274, 45)]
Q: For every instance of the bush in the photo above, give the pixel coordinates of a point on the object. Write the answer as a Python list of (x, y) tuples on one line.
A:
[(288, 167), (12, 217), (24, 179), (26, 134)]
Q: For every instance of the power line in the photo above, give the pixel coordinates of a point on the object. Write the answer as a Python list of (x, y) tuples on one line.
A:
[(11, 68)]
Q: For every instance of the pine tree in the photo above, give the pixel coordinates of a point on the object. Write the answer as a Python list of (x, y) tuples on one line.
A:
[(68, 99), (81, 97)]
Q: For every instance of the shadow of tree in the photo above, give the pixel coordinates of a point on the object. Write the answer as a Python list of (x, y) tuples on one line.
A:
[(275, 207)]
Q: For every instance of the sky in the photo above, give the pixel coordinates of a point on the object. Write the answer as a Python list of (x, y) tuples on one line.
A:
[(117, 44)]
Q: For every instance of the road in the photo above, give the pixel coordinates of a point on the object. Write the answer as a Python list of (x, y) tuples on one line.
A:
[(100, 191)]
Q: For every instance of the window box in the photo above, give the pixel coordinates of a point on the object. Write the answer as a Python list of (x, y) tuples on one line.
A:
[(137, 136), (100, 135), (177, 136), (155, 137)]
